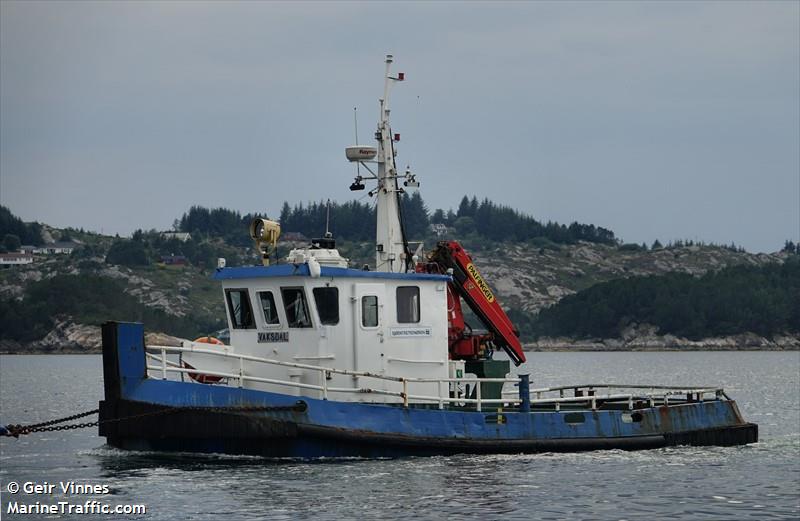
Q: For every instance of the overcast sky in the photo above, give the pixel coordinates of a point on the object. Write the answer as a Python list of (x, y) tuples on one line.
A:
[(672, 120)]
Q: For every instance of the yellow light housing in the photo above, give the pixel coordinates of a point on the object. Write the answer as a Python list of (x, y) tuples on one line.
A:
[(265, 233)]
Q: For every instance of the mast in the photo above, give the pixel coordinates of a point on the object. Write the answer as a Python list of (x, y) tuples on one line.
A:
[(390, 250), (391, 244)]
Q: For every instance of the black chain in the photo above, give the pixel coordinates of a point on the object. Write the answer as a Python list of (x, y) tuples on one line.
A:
[(50, 426), (16, 430), (62, 420)]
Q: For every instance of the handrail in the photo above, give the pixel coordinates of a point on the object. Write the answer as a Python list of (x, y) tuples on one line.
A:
[(250, 358), (652, 394), (410, 361), (167, 366), (320, 368), (158, 358), (324, 357), (655, 393), (667, 388), (585, 397), (362, 390), (616, 386)]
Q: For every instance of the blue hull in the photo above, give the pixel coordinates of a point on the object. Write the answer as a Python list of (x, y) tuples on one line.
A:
[(148, 414)]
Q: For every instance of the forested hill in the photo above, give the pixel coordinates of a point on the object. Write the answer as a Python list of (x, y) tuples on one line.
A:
[(355, 221), (14, 232), (759, 299), (58, 301)]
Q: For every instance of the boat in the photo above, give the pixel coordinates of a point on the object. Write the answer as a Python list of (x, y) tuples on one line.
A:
[(326, 360)]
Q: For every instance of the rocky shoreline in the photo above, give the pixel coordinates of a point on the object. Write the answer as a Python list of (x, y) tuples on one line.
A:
[(68, 337), (645, 338)]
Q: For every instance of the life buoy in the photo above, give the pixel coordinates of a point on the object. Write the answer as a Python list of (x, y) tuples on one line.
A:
[(200, 377)]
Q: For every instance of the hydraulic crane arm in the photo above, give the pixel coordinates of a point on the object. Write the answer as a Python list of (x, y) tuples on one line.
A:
[(472, 287)]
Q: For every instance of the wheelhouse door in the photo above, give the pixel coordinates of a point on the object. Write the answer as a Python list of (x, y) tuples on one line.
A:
[(368, 329)]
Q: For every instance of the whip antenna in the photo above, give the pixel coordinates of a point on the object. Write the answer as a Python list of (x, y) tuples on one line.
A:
[(328, 220), (355, 124)]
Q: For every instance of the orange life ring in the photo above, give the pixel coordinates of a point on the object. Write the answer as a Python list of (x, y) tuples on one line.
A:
[(200, 377)]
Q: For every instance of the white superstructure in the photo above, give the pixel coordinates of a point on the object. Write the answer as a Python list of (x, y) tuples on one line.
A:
[(387, 324), (312, 309)]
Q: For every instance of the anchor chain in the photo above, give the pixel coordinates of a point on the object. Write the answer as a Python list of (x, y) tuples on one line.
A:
[(16, 430), (51, 425)]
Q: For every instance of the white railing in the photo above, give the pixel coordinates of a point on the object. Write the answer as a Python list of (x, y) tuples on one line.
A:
[(582, 394), (650, 394), (443, 397)]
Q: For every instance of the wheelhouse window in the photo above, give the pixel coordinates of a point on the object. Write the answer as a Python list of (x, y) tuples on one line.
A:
[(268, 308), (296, 307), (407, 304), (327, 301), (240, 310), (369, 311)]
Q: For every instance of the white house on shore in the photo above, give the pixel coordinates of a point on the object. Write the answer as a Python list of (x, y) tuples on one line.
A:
[(439, 229), (15, 259), (53, 248), (60, 248), (181, 236)]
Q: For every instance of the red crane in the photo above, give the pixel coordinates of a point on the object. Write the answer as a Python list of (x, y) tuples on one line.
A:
[(468, 284)]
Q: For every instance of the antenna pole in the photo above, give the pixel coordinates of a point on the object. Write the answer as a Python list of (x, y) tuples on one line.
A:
[(387, 82), (355, 122), (328, 220)]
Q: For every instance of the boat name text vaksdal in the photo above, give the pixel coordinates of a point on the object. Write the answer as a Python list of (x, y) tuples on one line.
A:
[(273, 336), (473, 271)]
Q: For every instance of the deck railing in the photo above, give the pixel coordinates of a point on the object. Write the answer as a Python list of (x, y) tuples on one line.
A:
[(652, 395), (159, 354), (632, 395)]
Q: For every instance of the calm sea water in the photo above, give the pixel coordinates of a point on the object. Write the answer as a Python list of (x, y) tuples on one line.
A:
[(760, 481)]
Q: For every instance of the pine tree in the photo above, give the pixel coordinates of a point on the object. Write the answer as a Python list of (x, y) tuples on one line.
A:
[(473, 207), (286, 213), (415, 215), (463, 207)]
